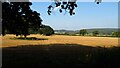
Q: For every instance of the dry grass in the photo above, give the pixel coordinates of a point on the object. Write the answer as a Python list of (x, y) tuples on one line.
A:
[(60, 39)]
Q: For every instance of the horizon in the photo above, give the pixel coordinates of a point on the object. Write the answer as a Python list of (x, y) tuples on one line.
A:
[(85, 17), (90, 28)]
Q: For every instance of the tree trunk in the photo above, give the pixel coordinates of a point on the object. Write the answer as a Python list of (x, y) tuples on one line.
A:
[(25, 36)]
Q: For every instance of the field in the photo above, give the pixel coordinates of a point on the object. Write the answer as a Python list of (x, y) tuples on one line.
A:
[(9, 40), (60, 51)]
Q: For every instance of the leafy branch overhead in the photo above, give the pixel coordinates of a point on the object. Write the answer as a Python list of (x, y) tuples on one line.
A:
[(67, 6)]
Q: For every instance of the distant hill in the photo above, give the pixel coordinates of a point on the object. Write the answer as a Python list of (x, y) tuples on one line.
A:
[(101, 30)]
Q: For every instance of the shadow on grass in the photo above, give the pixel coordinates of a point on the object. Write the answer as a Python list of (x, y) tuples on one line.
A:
[(60, 56), (28, 38)]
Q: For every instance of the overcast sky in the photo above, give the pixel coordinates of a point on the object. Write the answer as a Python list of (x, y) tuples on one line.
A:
[(88, 15)]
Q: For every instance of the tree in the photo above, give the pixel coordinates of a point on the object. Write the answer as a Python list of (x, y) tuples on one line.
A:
[(83, 32), (95, 33), (116, 34), (17, 18), (46, 30)]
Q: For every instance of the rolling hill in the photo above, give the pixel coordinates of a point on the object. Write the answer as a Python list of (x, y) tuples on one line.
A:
[(101, 30)]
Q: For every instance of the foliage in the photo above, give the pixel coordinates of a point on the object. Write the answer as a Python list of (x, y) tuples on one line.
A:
[(67, 5), (95, 33), (116, 34), (64, 5), (18, 17), (46, 30), (83, 32)]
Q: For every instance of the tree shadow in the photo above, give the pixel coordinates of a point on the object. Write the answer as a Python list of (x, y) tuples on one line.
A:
[(60, 56), (28, 38)]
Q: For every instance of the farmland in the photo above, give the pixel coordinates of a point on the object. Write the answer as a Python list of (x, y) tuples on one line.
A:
[(9, 40), (59, 51)]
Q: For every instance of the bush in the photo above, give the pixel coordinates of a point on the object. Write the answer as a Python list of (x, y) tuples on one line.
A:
[(46, 30)]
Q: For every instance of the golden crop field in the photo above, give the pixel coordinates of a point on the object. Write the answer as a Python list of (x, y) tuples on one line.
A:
[(60, 39)]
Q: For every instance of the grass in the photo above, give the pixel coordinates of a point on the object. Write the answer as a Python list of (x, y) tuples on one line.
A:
[(35, 39), (60, 51), (60, 56)]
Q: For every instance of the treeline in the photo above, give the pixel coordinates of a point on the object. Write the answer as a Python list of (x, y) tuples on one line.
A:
[(84, 32), (45, 30), (87, 32)]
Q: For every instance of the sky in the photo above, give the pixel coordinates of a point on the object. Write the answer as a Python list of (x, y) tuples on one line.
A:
[(88, 15), (74, 0)]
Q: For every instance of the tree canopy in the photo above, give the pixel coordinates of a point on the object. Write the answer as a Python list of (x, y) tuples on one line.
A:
[(18, 17), (116, 34), (46, 30), (63, 5), (67, 5), (95, 33), (83, 32)]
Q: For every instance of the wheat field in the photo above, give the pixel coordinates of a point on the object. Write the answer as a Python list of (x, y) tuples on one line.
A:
[(60, 39)]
